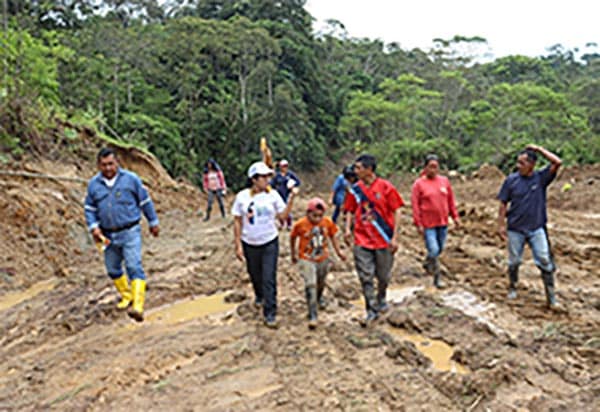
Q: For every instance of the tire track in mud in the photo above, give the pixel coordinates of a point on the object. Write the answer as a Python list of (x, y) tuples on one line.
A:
[(58, 318), (499, 374), (539, 333), (70, 349)]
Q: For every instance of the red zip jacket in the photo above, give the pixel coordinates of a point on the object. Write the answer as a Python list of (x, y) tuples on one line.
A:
[(432, 201)]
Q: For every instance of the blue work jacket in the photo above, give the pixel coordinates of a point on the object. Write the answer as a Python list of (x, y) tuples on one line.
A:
[(119, 206)]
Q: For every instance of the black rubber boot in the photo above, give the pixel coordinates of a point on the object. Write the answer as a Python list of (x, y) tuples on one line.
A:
[(548, 278), (222, 208), (320, 299), (513, 278), (437, 275), (311, 300), (428, 265)]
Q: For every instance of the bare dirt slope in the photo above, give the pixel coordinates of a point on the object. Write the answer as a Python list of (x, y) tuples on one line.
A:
[(65, 347)]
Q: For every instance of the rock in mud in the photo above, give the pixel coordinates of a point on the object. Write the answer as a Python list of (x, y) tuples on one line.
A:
[(235, 297), (401, 319), (364, 342)]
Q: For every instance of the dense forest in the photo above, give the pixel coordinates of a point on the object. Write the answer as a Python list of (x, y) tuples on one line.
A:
[(191, 79)]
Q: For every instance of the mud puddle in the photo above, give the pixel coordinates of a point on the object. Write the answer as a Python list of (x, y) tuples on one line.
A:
[(12, 299), (439, 352), (184, 311), (187, 310)]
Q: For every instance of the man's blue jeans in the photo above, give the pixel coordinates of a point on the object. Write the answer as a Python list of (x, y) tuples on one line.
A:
[(435, 239), (125, 246), (538, 242)]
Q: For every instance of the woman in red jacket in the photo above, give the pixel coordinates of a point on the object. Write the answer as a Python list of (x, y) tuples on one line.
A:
[(432, 202)]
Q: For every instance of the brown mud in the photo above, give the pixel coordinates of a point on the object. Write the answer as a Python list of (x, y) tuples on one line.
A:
[(202, 347)]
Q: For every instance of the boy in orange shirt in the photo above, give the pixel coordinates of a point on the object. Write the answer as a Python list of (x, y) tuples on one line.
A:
[(313, 257)]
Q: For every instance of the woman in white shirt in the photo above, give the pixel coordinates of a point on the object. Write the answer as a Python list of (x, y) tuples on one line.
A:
[(256, 210)]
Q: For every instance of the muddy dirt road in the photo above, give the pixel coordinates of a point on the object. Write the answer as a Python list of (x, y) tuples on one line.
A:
[(203, 347)]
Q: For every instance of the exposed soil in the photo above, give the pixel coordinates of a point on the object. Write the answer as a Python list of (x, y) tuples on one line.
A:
[(66, 347)]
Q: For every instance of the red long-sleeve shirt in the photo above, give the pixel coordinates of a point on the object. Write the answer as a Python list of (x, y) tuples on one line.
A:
[(432, 201)]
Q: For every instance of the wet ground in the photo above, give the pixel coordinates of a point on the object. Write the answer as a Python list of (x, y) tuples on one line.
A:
[(203, 347)]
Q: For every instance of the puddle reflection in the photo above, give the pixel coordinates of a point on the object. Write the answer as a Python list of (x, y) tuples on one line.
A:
[(438, 351), (190, 309)]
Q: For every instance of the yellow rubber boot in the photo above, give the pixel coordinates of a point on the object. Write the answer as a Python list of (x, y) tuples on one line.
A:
[(122, 285), (138, 289)]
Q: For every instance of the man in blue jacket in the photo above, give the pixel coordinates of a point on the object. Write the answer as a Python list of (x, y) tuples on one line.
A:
[(114, 203)]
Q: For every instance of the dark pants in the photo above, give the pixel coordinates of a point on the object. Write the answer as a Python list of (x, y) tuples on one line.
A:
[(211, 197), (373, 264), (336, 213), (261, 262)]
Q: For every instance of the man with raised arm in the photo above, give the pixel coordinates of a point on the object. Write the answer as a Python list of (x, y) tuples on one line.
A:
[(525, 220)]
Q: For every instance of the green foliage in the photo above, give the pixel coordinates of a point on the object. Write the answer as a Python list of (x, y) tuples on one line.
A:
[(403, 123), (408, 154), (162, 138), (31, 65), (29, 87), (517, 69), (189, 80), (401, 110)]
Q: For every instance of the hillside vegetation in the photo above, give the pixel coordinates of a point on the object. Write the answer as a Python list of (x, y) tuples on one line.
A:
[(189, 80)]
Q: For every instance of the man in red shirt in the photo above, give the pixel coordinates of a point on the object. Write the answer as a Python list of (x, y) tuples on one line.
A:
[(374, 203), (432, 201)]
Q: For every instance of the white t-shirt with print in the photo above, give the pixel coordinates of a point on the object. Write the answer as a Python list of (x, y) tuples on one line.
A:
[(258, 214)]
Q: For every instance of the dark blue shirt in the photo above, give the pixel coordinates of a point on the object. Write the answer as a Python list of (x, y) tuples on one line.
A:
[(339, 190), (280, 183), (527, 198)]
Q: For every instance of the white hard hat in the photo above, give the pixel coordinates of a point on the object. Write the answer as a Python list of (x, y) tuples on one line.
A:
[(259, 168)]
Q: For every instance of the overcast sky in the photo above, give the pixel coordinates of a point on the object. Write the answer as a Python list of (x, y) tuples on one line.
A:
[(510, 26)]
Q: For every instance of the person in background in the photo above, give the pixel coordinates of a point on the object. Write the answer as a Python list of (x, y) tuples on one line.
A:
[(526, 219), (374, 203), (113, 207), (314, 232), (340, 187), (255, 211), (432, 201), (284, 182), (213, 183)]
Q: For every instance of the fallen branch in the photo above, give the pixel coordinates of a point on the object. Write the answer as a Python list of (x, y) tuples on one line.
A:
[(41, 176)]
